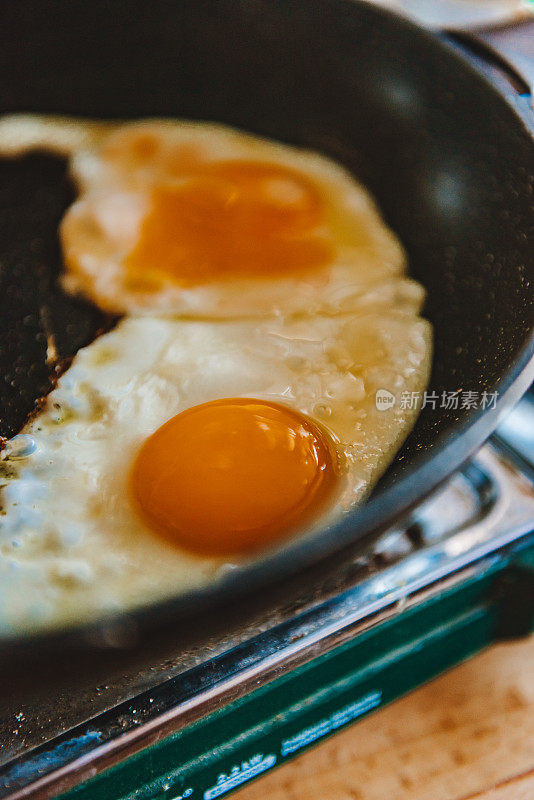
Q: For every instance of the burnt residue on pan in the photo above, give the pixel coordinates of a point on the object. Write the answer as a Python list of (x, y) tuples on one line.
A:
[(41, 328)]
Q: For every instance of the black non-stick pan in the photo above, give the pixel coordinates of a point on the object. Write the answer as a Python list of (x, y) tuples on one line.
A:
[(448, 159)]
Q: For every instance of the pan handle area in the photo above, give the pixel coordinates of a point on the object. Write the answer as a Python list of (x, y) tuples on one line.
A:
[(514, 46), (498, 31), (506, 56)]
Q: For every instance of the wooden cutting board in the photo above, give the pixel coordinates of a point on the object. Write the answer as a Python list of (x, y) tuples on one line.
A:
[(468, 734)]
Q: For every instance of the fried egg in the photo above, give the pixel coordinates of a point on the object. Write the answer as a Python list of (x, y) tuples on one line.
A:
[(173, 450), (200, 220)]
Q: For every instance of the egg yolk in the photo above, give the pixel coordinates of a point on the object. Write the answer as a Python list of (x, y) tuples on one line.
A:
[(230, 219), (232, 476)]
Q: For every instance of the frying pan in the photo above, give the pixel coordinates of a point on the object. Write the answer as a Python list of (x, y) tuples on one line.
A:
[(449, 161)]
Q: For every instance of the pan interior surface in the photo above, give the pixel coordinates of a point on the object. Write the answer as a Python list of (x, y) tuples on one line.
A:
[(444, 155)]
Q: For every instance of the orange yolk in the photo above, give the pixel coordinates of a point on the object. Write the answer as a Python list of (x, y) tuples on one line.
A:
[(232, 476), (232, 218)]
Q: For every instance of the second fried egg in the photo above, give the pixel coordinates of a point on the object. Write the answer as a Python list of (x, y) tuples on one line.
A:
[(197, 219)]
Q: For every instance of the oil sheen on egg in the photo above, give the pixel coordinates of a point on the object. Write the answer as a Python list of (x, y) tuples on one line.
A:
[(262, 429), (200, 220)]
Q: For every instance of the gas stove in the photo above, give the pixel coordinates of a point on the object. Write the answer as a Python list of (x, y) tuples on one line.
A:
[(219, 706)]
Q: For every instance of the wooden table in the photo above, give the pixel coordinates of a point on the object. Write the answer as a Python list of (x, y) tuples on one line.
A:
[(468, 734)]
